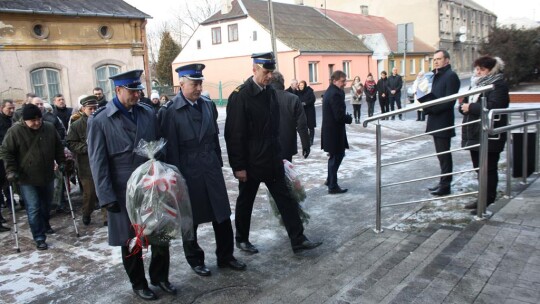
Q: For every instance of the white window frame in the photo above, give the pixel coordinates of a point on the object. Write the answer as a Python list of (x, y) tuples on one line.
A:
[(347, 68), (313, 68), (233, 32), (412, 69), (216, 35), (103, 72), (46, 82)]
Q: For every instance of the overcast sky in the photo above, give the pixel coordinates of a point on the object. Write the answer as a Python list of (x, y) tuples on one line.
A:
[(162, 10)]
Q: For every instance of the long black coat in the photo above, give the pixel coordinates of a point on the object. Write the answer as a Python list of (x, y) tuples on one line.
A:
[(445, 83), (496, 99), (307, 98), (333, 134), (382, 88), (193, 147), (292, 120), (112, 137), (252, 132)]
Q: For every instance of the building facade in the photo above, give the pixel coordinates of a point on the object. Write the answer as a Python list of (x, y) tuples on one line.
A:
[(68, 47), (459, 26)]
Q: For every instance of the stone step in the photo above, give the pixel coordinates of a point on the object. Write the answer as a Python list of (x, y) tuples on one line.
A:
[(365, 269)]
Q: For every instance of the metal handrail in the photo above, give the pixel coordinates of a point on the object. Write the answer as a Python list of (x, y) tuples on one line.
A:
[(482, 146), (429, 103), (491, 119)]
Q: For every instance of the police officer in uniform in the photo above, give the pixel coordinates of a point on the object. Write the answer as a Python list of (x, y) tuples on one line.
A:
[(189, 123), (252, 137), (113, 133)]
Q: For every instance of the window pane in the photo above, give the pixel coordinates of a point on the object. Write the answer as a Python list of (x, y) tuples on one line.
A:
[(37, 82)]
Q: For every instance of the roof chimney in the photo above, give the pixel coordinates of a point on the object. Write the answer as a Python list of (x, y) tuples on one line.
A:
[(299, 2), (226, 6), (364, 10)]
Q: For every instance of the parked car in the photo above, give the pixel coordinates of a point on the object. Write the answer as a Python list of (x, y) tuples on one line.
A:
[(410, 93)]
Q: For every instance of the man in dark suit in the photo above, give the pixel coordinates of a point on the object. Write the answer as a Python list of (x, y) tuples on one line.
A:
[(189, 124), (445, 83), (334, 136)]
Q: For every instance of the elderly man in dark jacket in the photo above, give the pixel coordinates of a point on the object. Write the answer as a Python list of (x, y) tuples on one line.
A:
[(61, 110), (29, 150), (291, 120), (445, 83), (395, 83), (77, 143), (334, 135), (114, 131), (252, 137), (189, 124)]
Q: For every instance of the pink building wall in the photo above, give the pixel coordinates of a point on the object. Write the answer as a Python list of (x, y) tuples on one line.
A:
[(234, 71)]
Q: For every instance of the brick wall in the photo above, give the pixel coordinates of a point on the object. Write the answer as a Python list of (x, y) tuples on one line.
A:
[(517, 97)]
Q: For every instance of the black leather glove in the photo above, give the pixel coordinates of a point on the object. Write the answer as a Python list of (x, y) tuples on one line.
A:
[(113, 207), (12, 177), (305, 152)]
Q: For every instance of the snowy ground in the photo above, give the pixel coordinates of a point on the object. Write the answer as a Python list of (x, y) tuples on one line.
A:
[(30, 275)]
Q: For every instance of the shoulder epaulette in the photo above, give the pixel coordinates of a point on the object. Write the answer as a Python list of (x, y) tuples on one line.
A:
[(238, 88), (145, 104), (99, 111)]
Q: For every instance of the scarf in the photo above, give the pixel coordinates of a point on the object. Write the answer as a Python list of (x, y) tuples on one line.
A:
[(488, 79), (370, 86)]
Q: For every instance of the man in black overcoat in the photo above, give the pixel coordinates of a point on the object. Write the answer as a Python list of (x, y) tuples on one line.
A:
[(252, 137), (189, 124), (334, 135), (445, 83)]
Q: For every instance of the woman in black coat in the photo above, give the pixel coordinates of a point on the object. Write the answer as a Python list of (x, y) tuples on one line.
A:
[(307, 97), (488, 70)]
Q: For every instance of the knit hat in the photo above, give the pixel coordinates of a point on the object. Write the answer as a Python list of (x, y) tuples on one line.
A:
[(154, 95), (31, 111)]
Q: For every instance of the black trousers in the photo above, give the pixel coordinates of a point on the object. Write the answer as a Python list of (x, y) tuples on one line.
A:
[(371, 108), (445, 160), (159, 266), (333, 166), (285, 203), (395, 100), (383, 103), (224, 244), (311, 132), (356, 110), (492, 173)]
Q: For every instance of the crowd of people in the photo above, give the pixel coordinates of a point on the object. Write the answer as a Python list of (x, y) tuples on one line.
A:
[(261, 127)]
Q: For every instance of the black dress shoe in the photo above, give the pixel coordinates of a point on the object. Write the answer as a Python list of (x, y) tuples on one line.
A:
[(434, 188), (86, 220), (305, 245), (4, 229), (2, 220), (232, 264), (247, 247), (145, 294), (441, 192), (202, 270), (337, 190), (41, 245), (167, 287), (471, 205)]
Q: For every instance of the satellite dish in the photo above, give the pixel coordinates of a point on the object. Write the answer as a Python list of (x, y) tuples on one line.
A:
[(462, 38), (462, 29)]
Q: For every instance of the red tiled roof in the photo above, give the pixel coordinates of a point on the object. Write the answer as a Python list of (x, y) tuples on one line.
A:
[(360, 24)]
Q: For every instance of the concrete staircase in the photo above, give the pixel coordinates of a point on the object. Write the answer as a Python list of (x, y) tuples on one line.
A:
[(391, 267)]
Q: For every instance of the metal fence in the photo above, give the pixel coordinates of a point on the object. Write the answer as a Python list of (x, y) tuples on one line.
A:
[(487, 119)]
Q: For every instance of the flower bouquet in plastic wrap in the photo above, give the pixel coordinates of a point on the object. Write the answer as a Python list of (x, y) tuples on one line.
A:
[(157, 201), (296, 189)]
